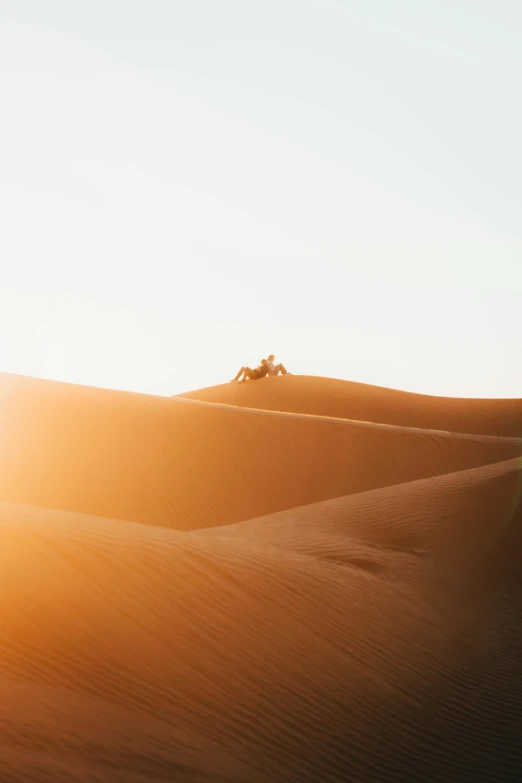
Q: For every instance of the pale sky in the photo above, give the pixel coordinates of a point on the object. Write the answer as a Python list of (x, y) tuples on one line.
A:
[(189, 185)]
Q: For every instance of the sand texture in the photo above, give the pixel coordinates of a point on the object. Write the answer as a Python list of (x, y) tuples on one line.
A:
[(295, 579)]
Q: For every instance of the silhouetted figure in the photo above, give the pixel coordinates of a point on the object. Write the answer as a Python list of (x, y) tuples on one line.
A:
[(250, 374), (275, 369)]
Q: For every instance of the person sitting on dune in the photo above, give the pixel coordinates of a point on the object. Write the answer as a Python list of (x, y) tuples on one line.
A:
[(254, 375), (275, 369)]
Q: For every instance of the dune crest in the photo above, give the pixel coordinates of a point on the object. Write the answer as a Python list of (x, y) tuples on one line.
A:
[(184, 598), (186, 465), (363, 402)]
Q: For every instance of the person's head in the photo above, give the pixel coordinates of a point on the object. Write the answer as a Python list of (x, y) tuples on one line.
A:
[(271, 357)]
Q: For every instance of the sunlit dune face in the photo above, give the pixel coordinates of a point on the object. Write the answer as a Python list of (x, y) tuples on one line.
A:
[(139, 458)]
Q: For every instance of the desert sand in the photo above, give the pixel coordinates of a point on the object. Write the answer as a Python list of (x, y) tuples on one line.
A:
[(294, 579)]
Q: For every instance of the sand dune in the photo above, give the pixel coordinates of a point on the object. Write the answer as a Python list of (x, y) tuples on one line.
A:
[(183, 464), (346, 400), (186, 599)]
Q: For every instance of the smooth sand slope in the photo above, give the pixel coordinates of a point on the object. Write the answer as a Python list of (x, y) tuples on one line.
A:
[(185, 464), (192, 591), (346, 400)]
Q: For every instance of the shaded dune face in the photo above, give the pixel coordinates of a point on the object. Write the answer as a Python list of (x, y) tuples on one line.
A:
[(332, 601)]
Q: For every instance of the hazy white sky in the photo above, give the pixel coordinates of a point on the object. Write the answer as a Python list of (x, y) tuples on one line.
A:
[(188, 185)]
